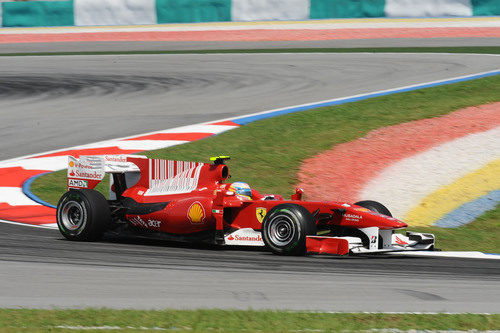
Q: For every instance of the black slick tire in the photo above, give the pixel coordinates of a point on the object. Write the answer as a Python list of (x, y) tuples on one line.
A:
[(374, 206), (285, 228), (83, 215)]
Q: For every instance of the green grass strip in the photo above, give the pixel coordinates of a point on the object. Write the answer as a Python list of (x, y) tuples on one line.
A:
[(458, 49), (24, 320), (268, 153)]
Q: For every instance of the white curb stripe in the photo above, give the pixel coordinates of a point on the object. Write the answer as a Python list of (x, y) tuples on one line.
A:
[(14, 196)]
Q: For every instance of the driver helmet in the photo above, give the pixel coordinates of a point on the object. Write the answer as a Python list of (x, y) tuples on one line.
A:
[(242, 190)]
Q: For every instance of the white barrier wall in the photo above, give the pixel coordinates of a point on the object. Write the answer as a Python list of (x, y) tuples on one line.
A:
[(114, 12), (266, 10), (427, 8)]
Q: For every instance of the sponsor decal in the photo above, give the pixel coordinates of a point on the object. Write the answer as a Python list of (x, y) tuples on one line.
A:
[(84, 171), (256, 238), (93, 175), (196, 213), (374, 240), (154, 223), (245, 236), (78, 183), (353, 217), (261, 213), (363, 209), (400, 241), (138, 222), (115, 158)]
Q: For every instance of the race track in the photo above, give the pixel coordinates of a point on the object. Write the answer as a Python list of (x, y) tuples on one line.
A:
[(39, 268), (48, 103), (65, 101)]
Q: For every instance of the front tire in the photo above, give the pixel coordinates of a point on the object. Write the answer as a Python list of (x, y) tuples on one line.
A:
[(83, 215), (374, 206), (285, 228)]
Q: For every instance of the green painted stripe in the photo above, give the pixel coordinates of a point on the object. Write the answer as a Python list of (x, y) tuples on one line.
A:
[(322, 9), (185, 11), (485, 7), (37, 14)]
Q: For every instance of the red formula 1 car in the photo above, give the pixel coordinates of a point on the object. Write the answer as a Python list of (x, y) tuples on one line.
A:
[(191, 201)]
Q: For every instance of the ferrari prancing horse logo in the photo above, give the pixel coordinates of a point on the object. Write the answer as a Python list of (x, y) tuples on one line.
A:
[(261, 213)]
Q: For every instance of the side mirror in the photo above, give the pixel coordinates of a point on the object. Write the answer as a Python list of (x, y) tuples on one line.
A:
[(298, 194)]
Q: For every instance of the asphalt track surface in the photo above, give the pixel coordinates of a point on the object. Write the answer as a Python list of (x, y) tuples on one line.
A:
[(55, 102), (39, 268), (65, 101)]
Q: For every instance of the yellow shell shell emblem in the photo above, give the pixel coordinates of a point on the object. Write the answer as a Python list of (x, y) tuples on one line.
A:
[(261, 213), (196, 213), (71, 164)]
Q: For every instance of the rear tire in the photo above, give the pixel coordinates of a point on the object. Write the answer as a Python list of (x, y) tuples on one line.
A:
[(374, 206), (83, 215), (285, 228)]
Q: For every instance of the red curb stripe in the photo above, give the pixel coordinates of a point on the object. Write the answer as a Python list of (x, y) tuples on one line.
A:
[(253, 35), (226, 123), (173, 136), (342, 172), (37, 214), (16, 176), (91, 151)]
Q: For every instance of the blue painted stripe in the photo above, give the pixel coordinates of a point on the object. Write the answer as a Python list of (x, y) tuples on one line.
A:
[(469, 211), (27, 190), (249, 119)]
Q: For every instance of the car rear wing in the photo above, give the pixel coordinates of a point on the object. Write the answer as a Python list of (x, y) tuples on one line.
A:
[(88, 171), (156, 176)]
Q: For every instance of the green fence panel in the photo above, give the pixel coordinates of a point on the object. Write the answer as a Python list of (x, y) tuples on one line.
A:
[(485, 7), (184, 11), (37, 13), (322, 9)]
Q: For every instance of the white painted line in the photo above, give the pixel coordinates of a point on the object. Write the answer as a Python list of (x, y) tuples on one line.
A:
[(448, 254), (43, 226)]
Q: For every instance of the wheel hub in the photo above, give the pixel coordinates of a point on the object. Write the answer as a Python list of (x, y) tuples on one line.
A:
[(281, 230), (72, 215)]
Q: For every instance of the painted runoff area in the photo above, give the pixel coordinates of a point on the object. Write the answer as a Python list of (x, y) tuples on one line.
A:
[(19, 205), (139, 12), (339, 29)]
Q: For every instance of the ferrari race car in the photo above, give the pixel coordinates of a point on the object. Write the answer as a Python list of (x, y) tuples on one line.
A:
[(191, 201)]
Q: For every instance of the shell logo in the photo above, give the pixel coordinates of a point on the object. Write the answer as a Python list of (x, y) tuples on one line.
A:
[(71, 164), (196, 213)]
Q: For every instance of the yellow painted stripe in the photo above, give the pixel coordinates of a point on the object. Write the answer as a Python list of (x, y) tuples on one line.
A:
[(450, 197)]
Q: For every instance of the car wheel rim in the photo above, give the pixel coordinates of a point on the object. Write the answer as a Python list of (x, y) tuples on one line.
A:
[(73, 215), (281, 230)]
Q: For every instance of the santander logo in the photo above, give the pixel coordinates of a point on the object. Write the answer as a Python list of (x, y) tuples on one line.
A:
[(248, 238)]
